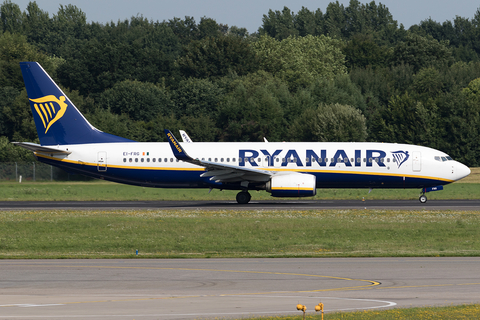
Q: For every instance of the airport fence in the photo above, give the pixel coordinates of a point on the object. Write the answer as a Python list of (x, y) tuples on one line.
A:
[(36, 171)]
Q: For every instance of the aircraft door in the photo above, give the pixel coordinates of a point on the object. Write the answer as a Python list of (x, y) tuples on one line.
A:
[(102, 161), (417, 161)]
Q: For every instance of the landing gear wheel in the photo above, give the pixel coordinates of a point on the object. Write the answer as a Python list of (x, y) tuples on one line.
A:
[(243, 197), (423, 198)]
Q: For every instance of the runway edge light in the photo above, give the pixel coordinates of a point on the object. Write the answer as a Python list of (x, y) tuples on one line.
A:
[(319, 307), (301, 307)]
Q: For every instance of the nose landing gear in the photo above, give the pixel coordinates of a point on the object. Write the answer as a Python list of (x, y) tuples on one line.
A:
[(422, 198)]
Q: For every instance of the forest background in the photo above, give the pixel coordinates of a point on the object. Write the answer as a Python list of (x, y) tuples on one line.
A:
[(351, 73)]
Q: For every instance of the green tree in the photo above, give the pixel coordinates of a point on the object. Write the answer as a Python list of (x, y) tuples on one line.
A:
[(37, 25), (408, 120), (329, 123), (279, 24), (11, 17), (362, 51), (12, 153), (13, 49), (420, 52), (139, 100), (196, 97), (217, 57), (253, 109), (208, 27), (300, 60)]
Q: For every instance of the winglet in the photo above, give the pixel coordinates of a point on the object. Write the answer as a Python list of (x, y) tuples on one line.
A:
[(185, 137), (177, 149)]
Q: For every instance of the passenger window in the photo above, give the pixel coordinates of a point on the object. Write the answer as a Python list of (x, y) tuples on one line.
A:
[(345, 160), (210, 159), (136, 159), (382, 160), (388, 159), (359, 160), (142, 159), (148, 159), (171, 159), (370, 160), (124, 159), (228, 159), (165, 160), (153, 159), (159, 159), (233, 159), (130, 160), (351, 160)]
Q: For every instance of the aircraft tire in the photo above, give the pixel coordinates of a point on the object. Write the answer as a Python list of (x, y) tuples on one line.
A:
[(423, 198), (243, 197)]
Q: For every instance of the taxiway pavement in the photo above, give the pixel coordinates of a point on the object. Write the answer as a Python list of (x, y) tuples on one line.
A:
[(228, 288)]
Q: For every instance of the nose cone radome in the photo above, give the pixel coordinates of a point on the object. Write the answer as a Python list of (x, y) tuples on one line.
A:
[(461, 171)]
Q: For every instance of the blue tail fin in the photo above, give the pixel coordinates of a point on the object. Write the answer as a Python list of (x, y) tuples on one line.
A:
[(57, 119)]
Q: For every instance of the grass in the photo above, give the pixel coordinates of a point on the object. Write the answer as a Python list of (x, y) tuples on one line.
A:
[(204, 234), (101, 190), (465, 312), (98, 190)]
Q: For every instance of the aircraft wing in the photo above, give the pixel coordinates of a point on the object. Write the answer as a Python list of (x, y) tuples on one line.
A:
[(38, 148), (219, 172)]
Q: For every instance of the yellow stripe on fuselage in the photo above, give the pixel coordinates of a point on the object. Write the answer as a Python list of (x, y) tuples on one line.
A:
[(266, 169)]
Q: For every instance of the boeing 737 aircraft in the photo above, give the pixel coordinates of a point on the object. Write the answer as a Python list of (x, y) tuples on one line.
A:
[(295, 169)]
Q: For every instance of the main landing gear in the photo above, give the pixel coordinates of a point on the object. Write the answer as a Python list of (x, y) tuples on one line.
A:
[(243, 197)]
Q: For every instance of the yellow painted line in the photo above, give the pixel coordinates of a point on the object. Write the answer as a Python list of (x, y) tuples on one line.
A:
[(370, 285)]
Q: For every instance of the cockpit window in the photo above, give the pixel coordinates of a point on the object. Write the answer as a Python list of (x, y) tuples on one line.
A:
[(443, 159)]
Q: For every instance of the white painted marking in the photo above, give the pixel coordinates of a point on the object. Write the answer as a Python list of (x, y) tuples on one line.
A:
[(28, 305)]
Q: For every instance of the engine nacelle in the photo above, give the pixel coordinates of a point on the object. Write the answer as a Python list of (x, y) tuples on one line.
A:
[(292, 185)]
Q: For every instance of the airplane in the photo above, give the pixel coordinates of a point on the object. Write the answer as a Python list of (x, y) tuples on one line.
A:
[(284, 169)]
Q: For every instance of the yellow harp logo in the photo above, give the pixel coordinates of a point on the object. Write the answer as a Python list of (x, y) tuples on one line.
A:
[(50, 109)]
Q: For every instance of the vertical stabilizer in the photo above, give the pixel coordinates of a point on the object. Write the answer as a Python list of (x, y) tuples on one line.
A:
[(57, 119)]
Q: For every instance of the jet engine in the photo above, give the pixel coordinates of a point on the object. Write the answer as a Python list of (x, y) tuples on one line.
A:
[(292, 185)]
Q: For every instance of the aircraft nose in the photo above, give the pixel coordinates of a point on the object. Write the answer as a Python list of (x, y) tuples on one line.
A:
[(461, 171)]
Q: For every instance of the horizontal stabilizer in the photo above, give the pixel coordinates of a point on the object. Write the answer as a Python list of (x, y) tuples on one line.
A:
[(38, 148)]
